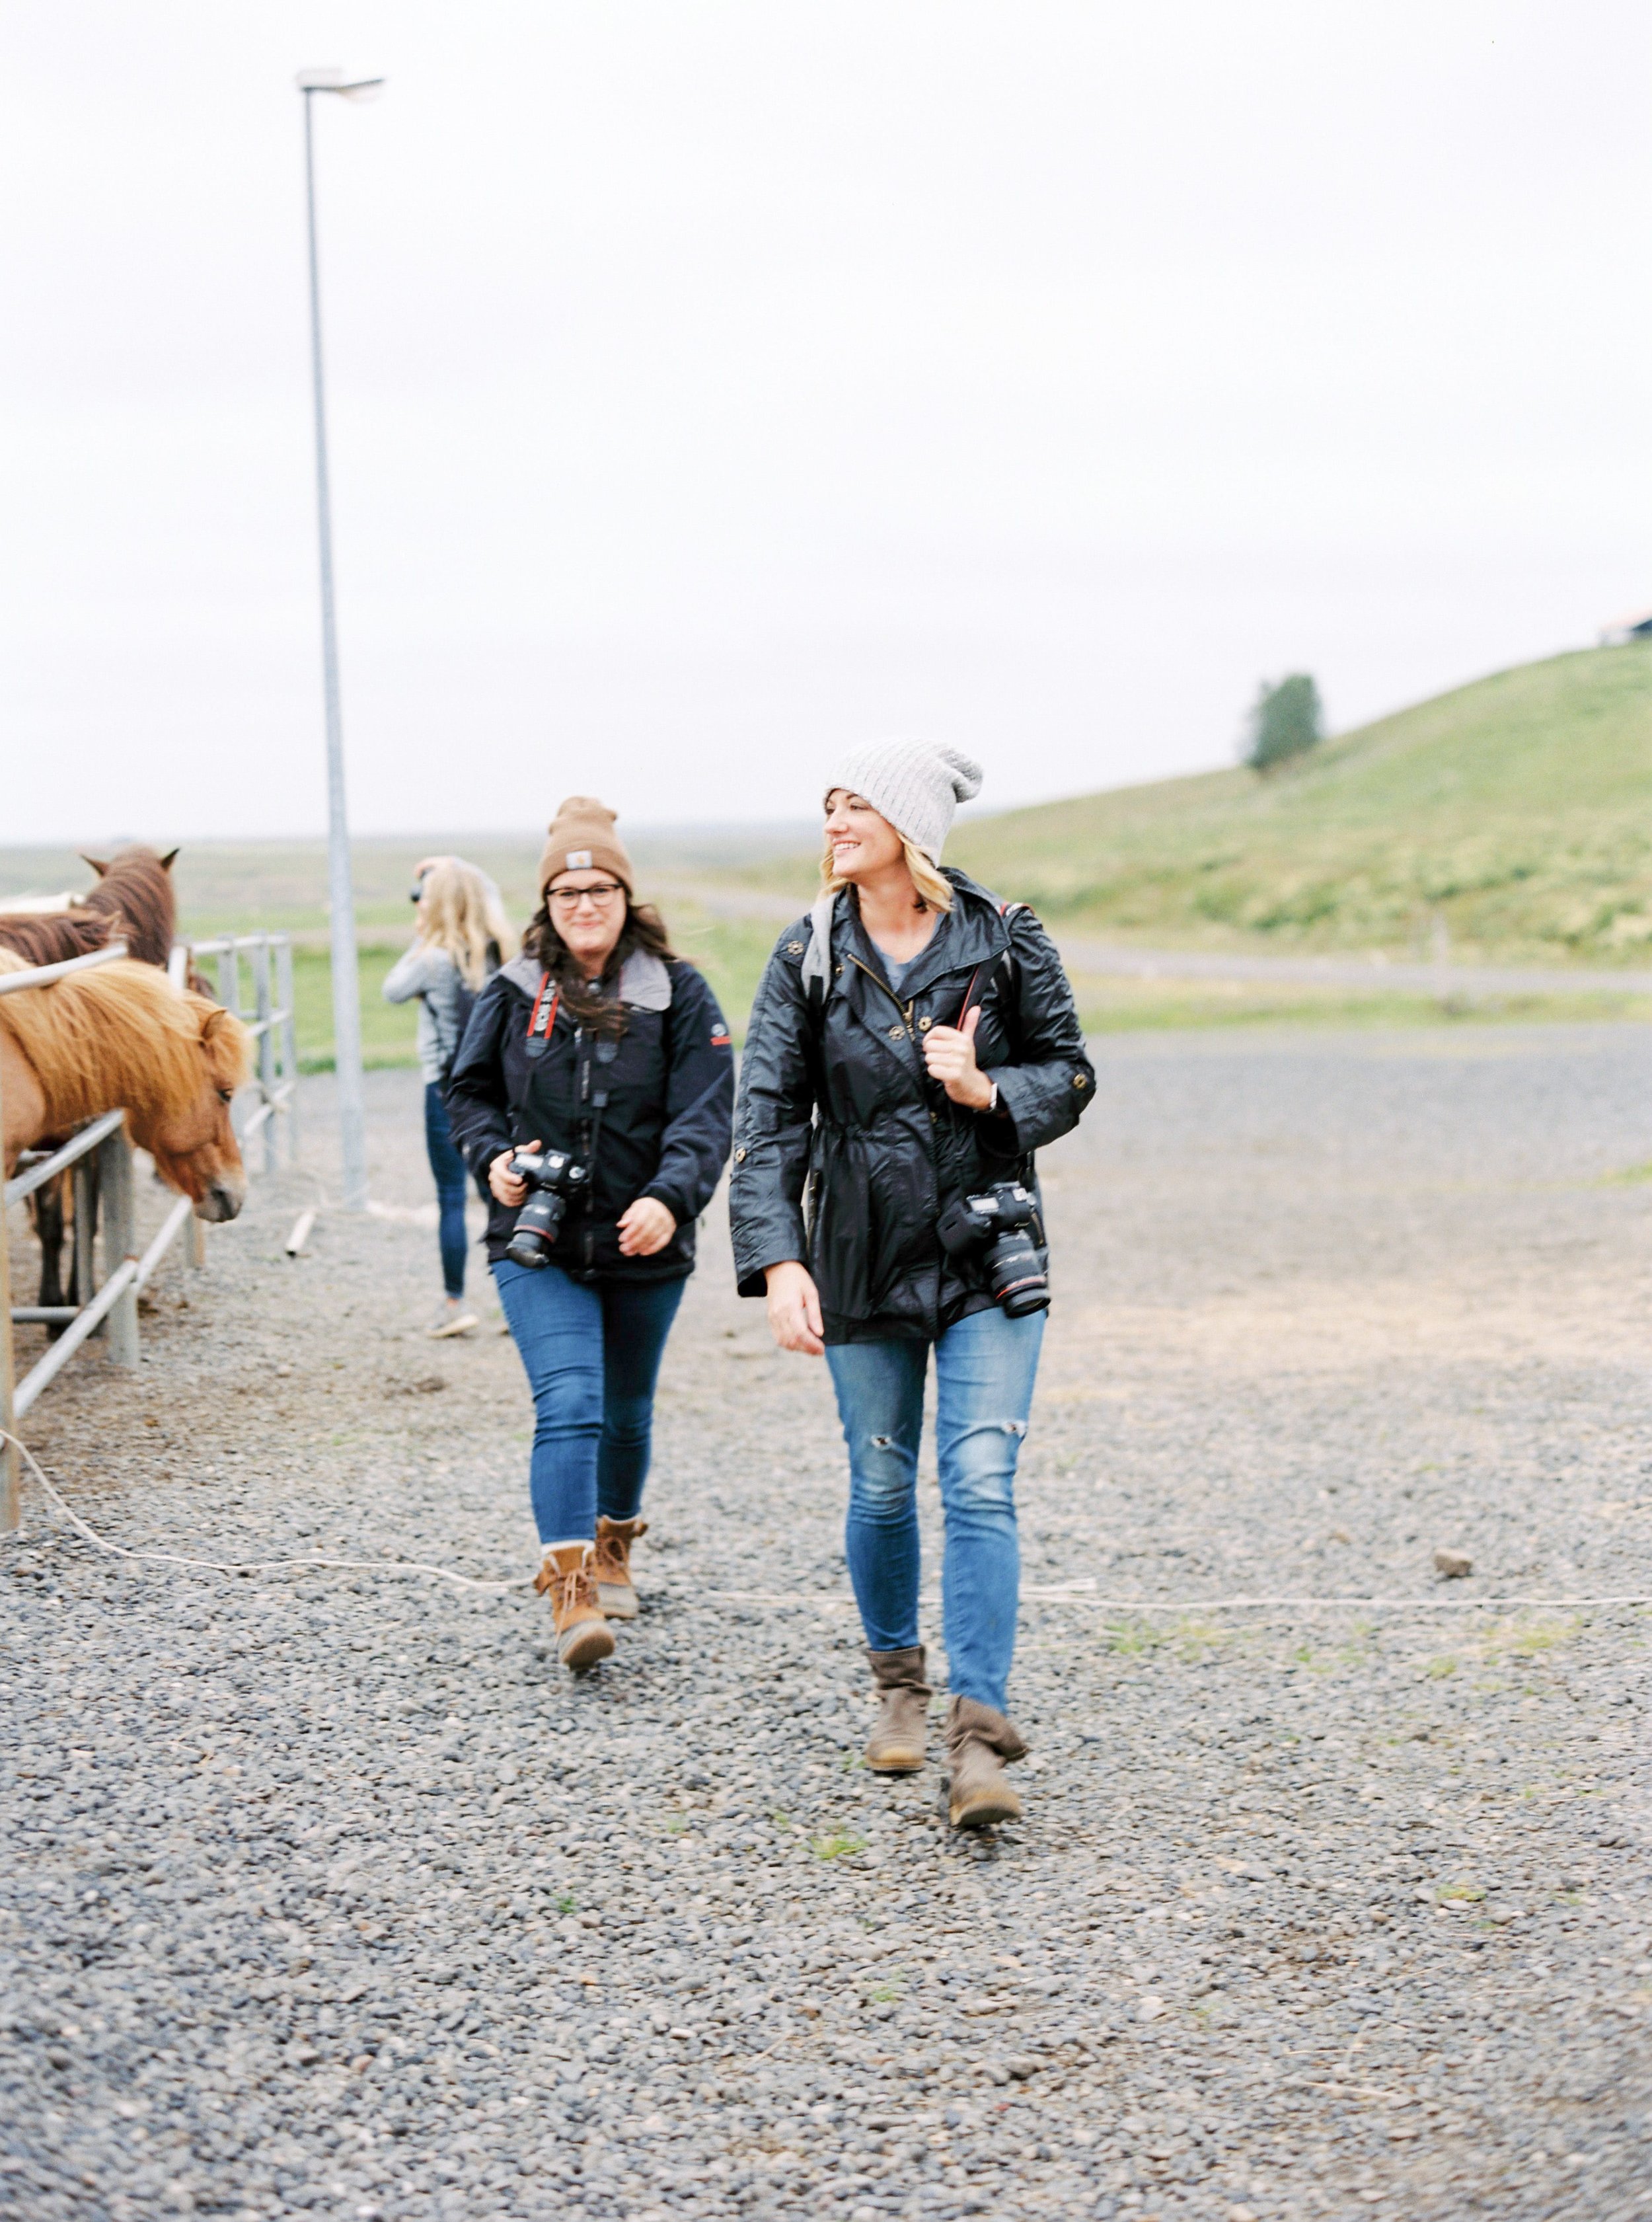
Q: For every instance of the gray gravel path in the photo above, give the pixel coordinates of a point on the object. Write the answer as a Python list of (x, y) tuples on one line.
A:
[(332, 1894)]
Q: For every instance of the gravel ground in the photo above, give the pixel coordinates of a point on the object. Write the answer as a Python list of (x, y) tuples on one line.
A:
[(332, 1893)]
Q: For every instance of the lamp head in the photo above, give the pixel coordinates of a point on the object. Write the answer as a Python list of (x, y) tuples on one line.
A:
[(330, 78)]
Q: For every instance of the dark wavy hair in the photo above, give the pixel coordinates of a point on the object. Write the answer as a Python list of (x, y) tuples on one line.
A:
[(592, 1002)]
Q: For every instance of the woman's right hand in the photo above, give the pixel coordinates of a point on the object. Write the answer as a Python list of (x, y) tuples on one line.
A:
[(794, 1308), (503, 1183)]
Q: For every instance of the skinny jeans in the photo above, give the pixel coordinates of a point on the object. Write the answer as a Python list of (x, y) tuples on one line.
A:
[(985, 1370), (591, 1353), (452, 1190)]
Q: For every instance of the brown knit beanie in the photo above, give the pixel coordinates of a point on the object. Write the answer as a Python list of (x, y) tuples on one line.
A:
[(582, 839)]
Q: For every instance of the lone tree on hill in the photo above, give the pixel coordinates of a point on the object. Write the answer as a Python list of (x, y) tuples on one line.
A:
[(1285, 722)]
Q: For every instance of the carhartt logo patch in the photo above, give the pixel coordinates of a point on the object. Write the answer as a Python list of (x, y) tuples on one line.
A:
[(578, 861)]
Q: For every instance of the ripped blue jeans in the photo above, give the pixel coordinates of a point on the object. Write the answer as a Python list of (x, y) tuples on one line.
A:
[(985, 1369)]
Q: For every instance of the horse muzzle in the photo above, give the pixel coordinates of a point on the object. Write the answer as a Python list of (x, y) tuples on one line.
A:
[(223, 1200)]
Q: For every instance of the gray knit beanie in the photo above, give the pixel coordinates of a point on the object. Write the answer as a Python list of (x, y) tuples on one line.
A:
[(913, 784)]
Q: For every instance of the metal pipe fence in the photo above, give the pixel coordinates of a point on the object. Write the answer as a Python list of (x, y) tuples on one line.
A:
[(98, 1159)]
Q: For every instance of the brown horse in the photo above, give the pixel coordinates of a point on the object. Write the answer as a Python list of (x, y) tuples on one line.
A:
[(133, 901), (123, 1036)]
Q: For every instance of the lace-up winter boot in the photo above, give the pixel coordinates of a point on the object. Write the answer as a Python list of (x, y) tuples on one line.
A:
[(569, 1575), (896, 1744), (616, 1592), (979, 1740)]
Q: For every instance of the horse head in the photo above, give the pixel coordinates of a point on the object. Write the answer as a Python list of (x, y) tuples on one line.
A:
[(193, 1144)]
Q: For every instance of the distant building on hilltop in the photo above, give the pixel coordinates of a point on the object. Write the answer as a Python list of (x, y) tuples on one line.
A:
[(1636, 626)]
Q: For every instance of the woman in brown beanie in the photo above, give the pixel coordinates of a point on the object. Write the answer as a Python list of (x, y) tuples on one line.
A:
[(599, 1043)]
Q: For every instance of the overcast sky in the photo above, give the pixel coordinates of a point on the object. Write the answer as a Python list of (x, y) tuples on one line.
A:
[(712, 384)]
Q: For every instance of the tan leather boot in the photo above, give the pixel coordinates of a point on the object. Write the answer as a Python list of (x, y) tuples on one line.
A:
[(614, 1592), (582, 1634), (896, 1744), (979, 1740)]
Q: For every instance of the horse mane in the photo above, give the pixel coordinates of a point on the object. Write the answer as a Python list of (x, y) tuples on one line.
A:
[(52, 937), (135, 893), (120, 1034)]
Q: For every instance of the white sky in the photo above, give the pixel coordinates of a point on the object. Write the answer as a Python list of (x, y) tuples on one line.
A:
[(716, 380)]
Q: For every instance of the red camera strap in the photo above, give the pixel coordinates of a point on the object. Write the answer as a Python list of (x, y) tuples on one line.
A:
[(533, 1023)]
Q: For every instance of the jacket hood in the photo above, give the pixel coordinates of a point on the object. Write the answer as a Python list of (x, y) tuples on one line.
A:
[(644, 980)]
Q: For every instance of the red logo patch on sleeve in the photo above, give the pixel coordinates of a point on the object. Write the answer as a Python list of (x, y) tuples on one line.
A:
[(722, 1041)]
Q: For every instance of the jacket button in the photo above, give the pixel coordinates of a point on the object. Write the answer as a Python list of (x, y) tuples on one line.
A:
[(1078, 1080), (794, 949), (895, 1032), (923, 1025), (740, 1156)]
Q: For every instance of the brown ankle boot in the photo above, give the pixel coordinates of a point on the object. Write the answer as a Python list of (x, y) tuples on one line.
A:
[(582, 1634), (614, 1592), (979, 1740), (896, 1744)]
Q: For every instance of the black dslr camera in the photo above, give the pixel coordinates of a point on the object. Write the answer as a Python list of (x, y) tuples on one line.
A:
[(998, 1220), (552, 1176)]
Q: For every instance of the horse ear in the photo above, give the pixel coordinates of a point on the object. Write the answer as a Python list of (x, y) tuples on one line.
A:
[(223, 1034), (100, 869), (166, 861)]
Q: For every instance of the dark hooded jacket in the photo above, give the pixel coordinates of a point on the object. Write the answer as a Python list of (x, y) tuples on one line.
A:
[(845, 1150), (670, 1084)]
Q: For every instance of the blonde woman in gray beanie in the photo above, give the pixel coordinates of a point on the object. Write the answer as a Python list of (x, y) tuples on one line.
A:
[(913, 1043)]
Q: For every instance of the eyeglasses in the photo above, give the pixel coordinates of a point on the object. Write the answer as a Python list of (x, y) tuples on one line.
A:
[(571, 898)]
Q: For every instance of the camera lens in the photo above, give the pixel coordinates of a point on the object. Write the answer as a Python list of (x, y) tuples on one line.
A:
[(535, 1232), (1017, 1281)]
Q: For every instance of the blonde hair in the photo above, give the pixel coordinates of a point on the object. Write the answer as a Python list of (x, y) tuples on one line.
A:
[(460, 912), (933, 891)]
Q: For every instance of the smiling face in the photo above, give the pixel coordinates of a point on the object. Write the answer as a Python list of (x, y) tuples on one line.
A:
[(588, 910), (861, 841)]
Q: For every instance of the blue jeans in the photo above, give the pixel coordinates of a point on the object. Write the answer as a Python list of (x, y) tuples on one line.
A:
[(985, 1369), (591, 1354), (452, 1188)]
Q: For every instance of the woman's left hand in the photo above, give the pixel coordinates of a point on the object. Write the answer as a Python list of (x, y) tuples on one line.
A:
[(949, 1052), (645, 1227)]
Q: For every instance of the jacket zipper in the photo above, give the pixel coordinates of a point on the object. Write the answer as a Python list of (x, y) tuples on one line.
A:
[(584, 1123), (935, 1156)]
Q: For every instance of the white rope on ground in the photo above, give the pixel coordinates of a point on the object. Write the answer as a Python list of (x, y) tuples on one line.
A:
[(252, 1566), (1069, 1594)]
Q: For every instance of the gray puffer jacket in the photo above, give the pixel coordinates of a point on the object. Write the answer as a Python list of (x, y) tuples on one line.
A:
[(845, 1150)]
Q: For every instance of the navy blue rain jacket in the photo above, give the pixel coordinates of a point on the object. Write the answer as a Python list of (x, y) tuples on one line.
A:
[(666, 1128)]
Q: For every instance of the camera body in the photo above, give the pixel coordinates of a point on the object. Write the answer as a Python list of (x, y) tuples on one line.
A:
[(997, 1222), (554, 1178)]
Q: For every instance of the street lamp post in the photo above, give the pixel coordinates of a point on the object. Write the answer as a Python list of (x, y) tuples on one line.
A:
[(347, 1005)]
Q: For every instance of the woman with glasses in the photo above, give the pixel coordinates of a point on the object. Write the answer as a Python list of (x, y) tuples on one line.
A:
[(599, 1046)]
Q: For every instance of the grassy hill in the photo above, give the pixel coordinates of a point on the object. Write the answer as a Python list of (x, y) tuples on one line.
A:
[(1517, 809)]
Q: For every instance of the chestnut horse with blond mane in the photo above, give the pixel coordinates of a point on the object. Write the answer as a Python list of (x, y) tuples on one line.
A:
[(133, 901), (122, 1036)]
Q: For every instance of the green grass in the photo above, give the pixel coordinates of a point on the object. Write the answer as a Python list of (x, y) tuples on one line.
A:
[(1518, 810), (841, 1844)]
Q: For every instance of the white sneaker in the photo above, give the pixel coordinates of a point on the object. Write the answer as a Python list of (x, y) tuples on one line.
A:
[(453, 1317)]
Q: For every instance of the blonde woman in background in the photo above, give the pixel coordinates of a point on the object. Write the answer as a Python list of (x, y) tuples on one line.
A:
[(457, 944)]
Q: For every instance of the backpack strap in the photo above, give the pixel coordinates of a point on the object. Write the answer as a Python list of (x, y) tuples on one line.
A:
[(815, 971)]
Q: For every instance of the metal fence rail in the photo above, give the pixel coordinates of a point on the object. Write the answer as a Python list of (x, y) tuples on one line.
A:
[(273, 1023), (98, 1159)]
